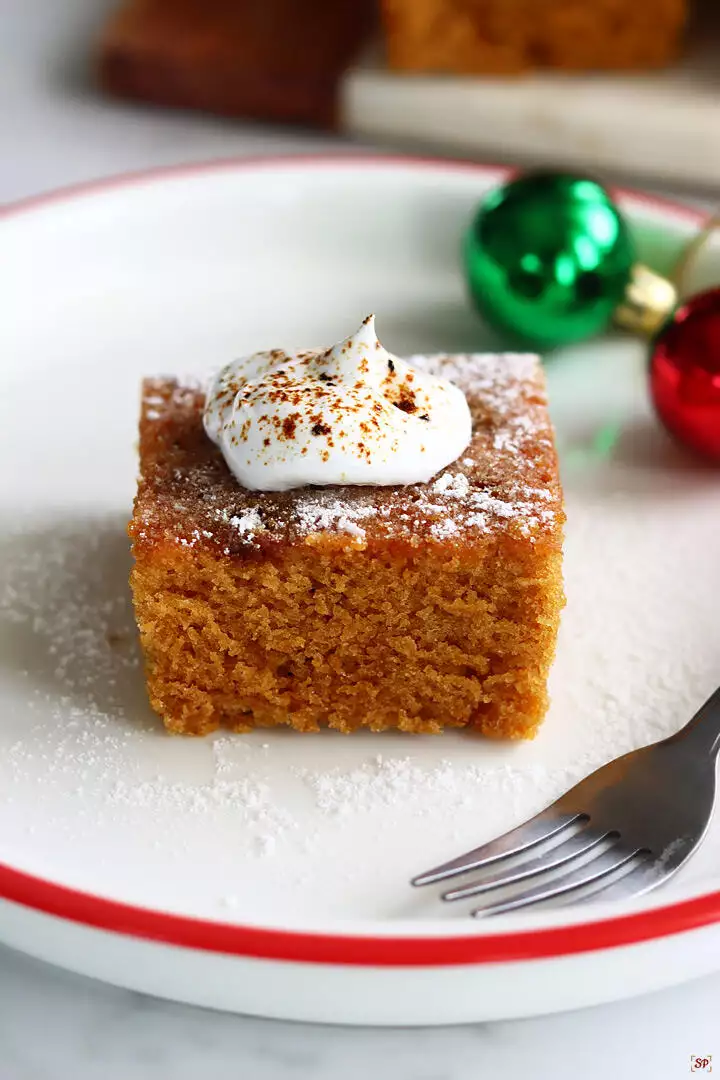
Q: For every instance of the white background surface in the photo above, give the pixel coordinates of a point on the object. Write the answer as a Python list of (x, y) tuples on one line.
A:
[(55, 131)]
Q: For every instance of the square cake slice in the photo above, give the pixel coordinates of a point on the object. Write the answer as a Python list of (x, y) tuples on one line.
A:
[(417, 608)]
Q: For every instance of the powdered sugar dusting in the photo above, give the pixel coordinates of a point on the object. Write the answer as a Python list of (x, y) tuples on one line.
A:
[(319, 513), (247, 524), (451, 485)]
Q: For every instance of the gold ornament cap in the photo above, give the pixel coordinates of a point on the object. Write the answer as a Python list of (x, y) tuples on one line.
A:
[(649, 301)]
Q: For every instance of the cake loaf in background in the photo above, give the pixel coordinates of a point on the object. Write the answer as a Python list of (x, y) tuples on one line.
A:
[(501, 37)]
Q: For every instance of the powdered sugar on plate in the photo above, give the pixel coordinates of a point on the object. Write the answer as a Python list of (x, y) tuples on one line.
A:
[(385, 783)]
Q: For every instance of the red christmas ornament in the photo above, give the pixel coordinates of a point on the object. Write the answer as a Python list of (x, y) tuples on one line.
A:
[(685, 374)]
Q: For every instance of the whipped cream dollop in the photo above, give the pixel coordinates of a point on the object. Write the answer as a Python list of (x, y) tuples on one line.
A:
[(351, 414)]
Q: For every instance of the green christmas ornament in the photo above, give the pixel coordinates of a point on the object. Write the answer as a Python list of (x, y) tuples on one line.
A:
[(549, 258)]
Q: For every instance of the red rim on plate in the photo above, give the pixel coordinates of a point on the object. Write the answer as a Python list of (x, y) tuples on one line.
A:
[(86, 909)]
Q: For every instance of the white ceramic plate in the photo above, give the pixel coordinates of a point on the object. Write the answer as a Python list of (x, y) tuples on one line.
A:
[(268, 873)]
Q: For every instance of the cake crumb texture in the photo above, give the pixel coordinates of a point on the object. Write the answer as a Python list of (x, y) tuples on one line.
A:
[(418, 608), (349, 639)]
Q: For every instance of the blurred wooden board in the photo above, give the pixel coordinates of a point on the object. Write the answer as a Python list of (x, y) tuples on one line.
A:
[(263, 59), (660, 126)]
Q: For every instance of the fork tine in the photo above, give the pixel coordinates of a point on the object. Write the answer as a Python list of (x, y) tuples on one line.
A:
[(640, 878), (562, 853), (541, 827), (611, 859)]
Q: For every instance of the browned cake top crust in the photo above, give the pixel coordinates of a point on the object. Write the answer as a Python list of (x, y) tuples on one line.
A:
[(506, 484)]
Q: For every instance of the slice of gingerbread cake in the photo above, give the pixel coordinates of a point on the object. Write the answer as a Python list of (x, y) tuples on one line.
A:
[(340, 538)]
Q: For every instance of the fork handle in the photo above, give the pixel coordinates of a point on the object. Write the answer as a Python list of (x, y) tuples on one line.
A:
[(702, 733)]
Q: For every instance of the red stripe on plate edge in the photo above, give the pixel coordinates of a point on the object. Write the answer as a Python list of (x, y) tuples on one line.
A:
[(344, 949)]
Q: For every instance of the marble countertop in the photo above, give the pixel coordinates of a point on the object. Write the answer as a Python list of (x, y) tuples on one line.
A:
[(54, 131), (54, 1025)]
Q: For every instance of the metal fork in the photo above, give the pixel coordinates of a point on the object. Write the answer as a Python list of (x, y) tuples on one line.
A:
[(620, 832)]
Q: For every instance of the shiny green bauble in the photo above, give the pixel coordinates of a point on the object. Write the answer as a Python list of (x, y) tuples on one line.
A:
[(548, 258)]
